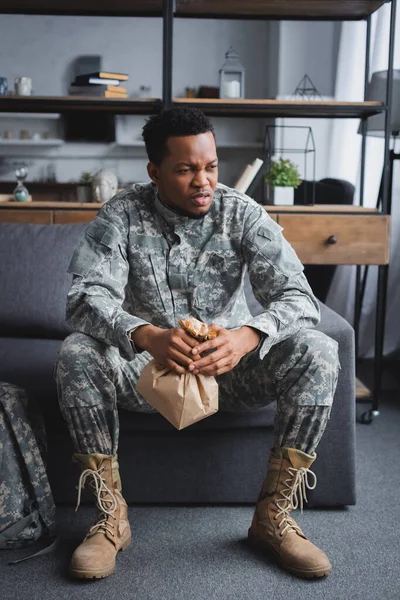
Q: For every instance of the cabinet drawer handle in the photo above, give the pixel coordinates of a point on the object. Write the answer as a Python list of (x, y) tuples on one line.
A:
[(332, 239)]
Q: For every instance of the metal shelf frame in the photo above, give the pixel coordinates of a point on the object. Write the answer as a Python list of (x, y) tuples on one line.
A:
[(339, 10), (383, 270)]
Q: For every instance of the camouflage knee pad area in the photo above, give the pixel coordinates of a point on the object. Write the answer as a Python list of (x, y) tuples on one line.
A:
[(92, 379), (300, 373)]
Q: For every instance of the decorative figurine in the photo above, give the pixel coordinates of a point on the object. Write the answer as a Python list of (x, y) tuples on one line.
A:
[(21, 193), (104, 185), (144, 91)]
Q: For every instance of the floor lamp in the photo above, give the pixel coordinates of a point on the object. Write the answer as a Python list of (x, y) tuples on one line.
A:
[(375, 126)]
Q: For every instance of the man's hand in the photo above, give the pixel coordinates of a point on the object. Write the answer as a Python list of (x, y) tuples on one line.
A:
[(169, 347), (228, 348)]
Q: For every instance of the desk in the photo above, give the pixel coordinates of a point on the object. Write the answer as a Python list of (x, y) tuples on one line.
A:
[(321, 235)]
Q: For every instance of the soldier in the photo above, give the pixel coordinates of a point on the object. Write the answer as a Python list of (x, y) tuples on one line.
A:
[(174, 247)]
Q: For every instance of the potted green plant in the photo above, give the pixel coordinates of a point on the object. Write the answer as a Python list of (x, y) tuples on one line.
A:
[(84, 187), (283, 176)]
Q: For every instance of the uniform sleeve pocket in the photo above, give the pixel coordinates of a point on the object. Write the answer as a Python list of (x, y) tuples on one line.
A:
[(96, 244), (269, 231)]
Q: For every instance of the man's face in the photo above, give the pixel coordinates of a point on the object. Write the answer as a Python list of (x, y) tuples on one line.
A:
[(187, 176)]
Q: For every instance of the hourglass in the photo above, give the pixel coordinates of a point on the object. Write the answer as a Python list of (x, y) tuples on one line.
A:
[(21, 193)]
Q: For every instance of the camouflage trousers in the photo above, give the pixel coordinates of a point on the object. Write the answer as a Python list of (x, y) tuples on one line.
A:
[(300, 373)]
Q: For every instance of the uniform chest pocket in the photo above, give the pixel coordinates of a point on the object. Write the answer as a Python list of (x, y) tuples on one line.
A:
[(149, 273), (216, 281)]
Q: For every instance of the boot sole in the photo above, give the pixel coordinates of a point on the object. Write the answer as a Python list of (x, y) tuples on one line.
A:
[(100, 573), (305, 573)]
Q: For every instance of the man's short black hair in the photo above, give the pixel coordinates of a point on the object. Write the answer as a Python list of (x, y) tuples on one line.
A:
[(172, 122)]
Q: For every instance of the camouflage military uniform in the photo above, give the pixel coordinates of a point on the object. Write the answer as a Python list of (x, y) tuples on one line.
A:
[(140, 262)]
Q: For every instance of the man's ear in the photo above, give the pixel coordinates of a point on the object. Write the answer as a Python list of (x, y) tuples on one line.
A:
[(152, 171)]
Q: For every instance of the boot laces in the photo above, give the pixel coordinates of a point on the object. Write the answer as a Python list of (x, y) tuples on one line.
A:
[(294, 495), (105, 501)]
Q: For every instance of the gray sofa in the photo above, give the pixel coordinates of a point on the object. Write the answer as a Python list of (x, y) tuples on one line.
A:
[(219, 460)]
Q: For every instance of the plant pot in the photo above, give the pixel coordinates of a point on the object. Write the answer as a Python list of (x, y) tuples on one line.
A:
[(84, 193), (284, 196)]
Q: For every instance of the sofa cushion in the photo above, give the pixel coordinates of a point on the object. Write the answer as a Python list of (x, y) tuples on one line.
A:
[(34, 278)]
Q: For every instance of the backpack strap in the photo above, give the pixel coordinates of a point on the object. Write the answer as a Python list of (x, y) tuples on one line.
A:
[(15, 529)]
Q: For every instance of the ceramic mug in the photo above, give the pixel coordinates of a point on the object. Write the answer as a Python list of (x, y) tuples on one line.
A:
[(23, 86)]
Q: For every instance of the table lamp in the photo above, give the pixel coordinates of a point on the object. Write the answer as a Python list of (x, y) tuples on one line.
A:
[(375, 125)]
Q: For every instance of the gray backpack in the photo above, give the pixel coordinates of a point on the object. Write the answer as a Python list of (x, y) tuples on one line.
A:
[(27, 510)]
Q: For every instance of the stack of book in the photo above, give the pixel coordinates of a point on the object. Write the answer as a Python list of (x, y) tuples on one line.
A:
[(104, 84)]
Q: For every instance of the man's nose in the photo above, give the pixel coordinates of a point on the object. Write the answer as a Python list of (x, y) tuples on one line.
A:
[(200, 179)]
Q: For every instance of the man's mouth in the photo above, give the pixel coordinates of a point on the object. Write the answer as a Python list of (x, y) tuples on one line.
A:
[(201, 198), (200, 194)]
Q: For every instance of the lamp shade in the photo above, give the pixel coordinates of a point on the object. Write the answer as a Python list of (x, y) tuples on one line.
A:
[(377, 91)]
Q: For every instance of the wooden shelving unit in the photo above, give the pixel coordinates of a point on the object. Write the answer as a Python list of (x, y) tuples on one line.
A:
[(65, 104), (213, 107), (279, 9), (226, 9), (280, 108), (131, 8), (330, 10), (34, 205), (31, 142)]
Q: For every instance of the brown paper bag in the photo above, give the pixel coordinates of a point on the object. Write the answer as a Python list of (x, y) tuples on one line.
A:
[(181, 399)]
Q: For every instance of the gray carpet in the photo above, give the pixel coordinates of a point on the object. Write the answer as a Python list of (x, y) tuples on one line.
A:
[(200, 553)]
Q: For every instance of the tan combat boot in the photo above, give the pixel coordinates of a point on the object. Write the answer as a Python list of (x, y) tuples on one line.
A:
[(95, 557), (273, 529)]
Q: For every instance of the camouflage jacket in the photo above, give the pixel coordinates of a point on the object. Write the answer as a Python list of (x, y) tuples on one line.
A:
[(140, 262)]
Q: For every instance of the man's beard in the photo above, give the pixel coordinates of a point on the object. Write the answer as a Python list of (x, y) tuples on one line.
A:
[(183, 213)]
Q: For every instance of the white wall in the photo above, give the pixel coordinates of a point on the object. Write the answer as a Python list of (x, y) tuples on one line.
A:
[(276, 55), (308, 48), (200, 46), (47, 47)]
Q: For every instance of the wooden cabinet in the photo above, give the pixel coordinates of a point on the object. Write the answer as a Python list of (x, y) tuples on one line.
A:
[(321, 235), (20, 215), (338, 239), (47, 213), (335, 235)]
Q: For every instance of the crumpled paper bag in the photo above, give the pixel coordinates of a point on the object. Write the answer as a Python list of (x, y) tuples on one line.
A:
[(181, 399)]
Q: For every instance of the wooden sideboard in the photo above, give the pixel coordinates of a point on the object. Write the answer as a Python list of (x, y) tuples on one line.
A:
[(47, 213), (321, 235), (335, 234)]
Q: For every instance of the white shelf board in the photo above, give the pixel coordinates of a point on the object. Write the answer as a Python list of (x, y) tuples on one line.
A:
[(43, 116), (243, 145), (137, 144), (251, 145), (18, 142)]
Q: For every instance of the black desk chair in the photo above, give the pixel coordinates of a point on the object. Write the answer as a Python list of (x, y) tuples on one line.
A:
[(327, 191)]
